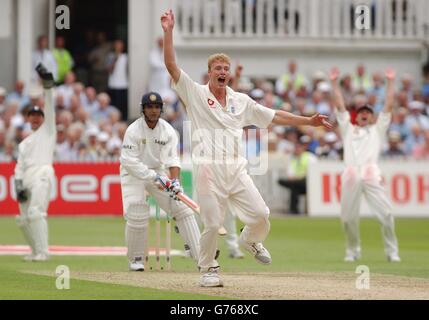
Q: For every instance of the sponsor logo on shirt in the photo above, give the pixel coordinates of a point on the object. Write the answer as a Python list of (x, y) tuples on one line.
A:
[(127, 146), (211, 103), (163, 143), (143, 141)]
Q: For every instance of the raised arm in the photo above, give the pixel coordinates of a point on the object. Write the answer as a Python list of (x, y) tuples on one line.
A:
[(390, 91), (167, 23), (338, 96), (289, 119), (48, 83)]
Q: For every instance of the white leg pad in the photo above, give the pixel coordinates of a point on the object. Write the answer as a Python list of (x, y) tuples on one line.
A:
[(38, 230), (136, 237), (190, 232), (23, 225)]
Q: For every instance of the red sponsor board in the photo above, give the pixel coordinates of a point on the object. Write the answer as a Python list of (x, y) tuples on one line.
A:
[(78, 189), (406, 184)]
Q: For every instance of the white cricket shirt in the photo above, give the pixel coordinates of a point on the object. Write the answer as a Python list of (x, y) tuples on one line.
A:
[(118, 79), (37, 149), (362, 145), (217, 131), (146, 150)]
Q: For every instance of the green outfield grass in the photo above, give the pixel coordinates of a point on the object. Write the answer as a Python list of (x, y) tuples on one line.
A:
[(296, 245)]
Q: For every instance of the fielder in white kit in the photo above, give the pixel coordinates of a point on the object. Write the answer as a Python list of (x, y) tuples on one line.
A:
[(149, 159), (217, 113), (362, 146), (34, 172)]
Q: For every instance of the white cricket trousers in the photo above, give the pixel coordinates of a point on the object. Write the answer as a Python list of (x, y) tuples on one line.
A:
[(215, 185), (33, 212), (366, 181)]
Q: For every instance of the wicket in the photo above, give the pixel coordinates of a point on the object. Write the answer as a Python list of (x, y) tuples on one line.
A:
[(158, 242)]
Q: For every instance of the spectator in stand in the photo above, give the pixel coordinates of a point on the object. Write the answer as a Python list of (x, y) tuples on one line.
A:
[(102, 152), (311, 136), (114, 117), (329, 147), (79, 91), (74, 136), (290, 140), (91, 103), (318, 104), (83, 117), (59, 102), (92, 143), (407, 86), (114, 149), (117, 64), (97, 59), (104, 108), (19, 95), (74, 105), (119, 130), (425, 86), (421, 150), (67, 89), (3, 93), (65, 118), (325, 90), (378, 90), (296, 180), (299, 106), (414, 138), (63, 58), (401, 100), (318, 76), (61, 148), (394, 150), (416, 116), (398, 123), (43, 55), (290, 81), (160, 79), (7, 153), (360, 81)]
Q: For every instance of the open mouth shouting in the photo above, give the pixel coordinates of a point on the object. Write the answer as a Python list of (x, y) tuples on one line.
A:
[(221, 80)]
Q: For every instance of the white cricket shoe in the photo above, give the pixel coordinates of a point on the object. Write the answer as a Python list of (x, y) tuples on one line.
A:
[(28, 257), (136, 265), (351, 256), (40, 257), (394, 257), (211, 279), (257, 250)]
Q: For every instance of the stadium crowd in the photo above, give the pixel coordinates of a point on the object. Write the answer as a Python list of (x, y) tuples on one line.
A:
[(91, 127)]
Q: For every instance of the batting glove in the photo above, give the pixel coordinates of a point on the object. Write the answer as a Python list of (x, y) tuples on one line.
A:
[(46, 76), (174, 189), (21, 192), (175, 186), (163, 182)]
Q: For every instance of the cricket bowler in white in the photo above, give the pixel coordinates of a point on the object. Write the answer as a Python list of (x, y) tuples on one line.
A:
[(34, 172), (362, 146), (149, 159), (215, 108)]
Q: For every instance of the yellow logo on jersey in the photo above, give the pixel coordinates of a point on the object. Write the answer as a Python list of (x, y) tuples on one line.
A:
[(143, 141)]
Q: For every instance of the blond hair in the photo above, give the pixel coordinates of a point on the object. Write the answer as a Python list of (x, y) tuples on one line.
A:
[(222, 57)]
